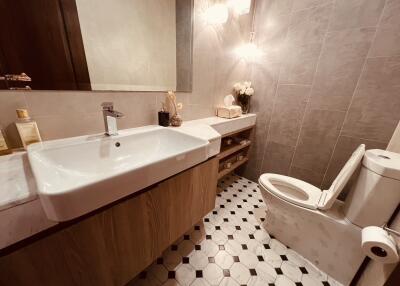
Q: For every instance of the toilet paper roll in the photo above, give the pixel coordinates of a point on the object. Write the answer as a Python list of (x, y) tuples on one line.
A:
[(379, 245)]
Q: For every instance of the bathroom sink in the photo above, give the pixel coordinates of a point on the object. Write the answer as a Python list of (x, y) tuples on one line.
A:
[(78, 175)]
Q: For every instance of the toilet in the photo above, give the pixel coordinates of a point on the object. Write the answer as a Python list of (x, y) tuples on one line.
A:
[(327, 231)]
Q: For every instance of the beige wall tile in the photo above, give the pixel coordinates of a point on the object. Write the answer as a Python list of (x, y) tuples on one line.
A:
[(231, 70), (350, 14), (277, 158), (339, 67), (288, 113), (55, 127), (138, 110), (59, 103), (374, 112), (204, 75), (317, 139), (191, 112), (313, 178)]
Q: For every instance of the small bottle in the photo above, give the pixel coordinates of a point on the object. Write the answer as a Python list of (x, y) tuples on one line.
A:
[(4, 147), (163, 117), (27, 128)]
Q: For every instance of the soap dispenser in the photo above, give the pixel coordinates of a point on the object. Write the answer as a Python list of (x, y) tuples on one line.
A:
[(27, 128)]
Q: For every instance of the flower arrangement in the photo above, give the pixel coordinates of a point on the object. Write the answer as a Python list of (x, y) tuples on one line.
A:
[(243, 88), (243, 92)]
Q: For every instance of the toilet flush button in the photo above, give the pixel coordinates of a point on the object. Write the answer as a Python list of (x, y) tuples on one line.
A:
[(384, 157)]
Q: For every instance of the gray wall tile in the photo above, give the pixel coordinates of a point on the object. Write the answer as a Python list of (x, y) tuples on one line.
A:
[(317, 139), (339, 68), (350, 14), (387, 41), (309, 26), (314, 178), (374, 112), (277, 158), (299, 64), (352, 100), (290, 104)]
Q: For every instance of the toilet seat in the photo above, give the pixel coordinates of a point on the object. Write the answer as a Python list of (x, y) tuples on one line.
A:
[(306, 195), (292, 190)]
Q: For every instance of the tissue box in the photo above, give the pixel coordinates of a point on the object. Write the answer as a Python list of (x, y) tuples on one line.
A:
[(229, 112)]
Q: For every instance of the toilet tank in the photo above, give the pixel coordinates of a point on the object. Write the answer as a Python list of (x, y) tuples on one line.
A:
[(376, 193)]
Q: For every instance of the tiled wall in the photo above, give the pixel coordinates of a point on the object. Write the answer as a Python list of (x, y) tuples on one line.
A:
[(328, 81), (215, 68)]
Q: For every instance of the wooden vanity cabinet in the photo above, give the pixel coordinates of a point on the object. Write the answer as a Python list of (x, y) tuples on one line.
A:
[(113, 245)]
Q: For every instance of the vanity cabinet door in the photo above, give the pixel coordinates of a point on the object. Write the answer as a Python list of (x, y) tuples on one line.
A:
[(190, 196), (204, 183)]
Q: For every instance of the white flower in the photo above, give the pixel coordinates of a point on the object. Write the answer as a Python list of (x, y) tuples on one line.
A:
[(243, 90), (249, 91), (237, 86), (247, 83)]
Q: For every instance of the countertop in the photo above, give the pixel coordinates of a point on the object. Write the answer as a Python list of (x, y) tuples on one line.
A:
[(16, 180), (21, 214)]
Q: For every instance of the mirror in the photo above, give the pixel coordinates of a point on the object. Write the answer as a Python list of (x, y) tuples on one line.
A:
[(107, 45)]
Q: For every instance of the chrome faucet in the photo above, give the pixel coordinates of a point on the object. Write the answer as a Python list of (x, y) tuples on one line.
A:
[(110, 118)]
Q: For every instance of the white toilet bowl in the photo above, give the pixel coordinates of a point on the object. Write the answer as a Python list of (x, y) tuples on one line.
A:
[(312, 221), (323, 229), (291, 190)]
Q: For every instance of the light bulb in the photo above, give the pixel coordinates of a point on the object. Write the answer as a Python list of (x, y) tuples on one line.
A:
[(216, 14), (248, 51)]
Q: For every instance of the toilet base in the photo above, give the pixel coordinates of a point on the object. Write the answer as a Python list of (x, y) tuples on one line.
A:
[(325, 238)]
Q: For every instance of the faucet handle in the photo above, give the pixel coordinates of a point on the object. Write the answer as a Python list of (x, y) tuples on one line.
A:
[(108, 105)]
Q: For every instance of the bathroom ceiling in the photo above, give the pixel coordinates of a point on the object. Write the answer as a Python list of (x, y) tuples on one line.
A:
[(140, 45)]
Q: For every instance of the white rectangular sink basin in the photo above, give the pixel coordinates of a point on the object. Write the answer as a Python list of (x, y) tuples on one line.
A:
[(77, 175)]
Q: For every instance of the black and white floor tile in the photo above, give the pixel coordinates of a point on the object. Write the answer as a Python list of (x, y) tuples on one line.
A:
[(230, 247)]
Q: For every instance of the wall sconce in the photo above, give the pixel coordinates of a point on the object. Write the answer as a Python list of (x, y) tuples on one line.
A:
[(249, 51), (240, 7), (216, 14)]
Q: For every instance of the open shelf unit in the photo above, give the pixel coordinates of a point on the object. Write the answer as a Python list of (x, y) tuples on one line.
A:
[(233, 167), (234, 150)]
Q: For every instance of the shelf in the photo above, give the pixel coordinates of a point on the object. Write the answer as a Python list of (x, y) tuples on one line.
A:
[(238, 131), (233, 167), (230, 150)]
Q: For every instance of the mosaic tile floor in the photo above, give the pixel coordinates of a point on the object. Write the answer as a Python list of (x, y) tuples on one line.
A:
[(230, 247)]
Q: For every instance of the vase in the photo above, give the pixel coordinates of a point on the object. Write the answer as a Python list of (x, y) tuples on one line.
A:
[(176, 120), (244, 102)]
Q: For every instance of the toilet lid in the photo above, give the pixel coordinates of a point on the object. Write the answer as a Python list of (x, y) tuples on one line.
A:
[(329, 196)]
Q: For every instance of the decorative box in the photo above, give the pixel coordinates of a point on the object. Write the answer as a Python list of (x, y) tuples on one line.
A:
[(229, 112)]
